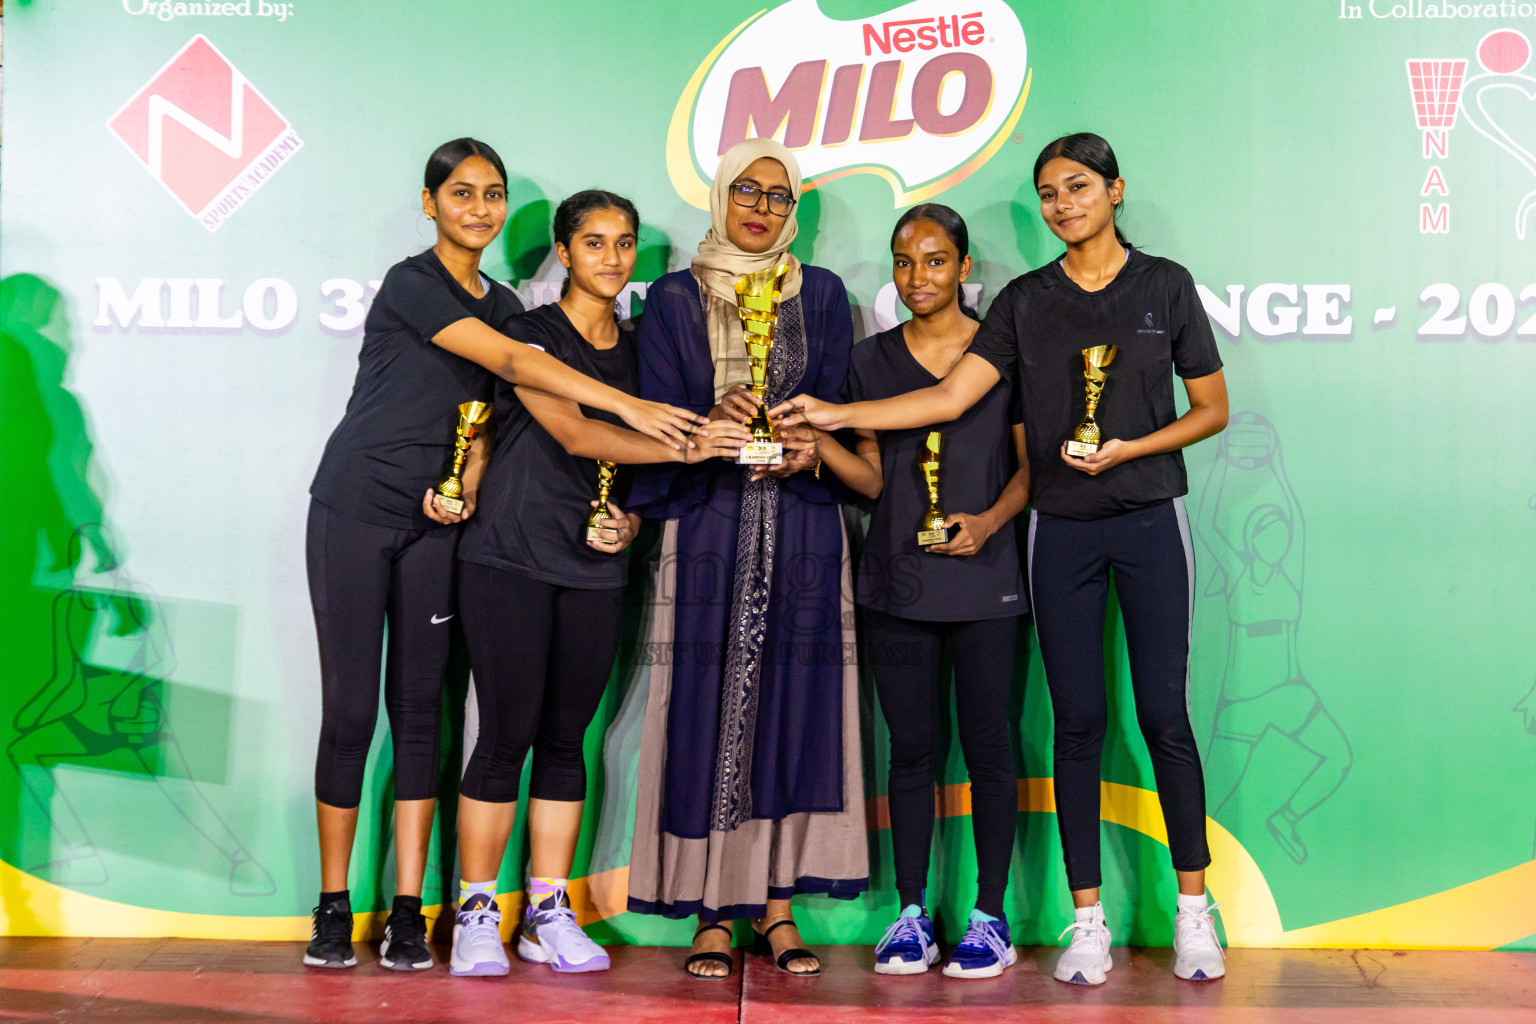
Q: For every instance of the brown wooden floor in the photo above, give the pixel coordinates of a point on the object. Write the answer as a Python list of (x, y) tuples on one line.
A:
[(180, 980)]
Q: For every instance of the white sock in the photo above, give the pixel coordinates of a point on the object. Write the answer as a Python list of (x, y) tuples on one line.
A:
[(1192, 904), (1088, 914)]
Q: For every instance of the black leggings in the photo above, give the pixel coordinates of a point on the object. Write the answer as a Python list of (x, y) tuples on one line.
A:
[(1070, 562), (907, 658), (360, 577), (541, 657)]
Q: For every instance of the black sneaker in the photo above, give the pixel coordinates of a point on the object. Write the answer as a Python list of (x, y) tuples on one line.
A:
[(405, 941), (331, 943)]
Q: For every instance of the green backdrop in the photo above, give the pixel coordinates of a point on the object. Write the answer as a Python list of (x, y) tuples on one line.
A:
[(1366, 530)]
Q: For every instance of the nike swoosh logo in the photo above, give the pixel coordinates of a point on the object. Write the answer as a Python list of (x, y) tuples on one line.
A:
[(437, 621)]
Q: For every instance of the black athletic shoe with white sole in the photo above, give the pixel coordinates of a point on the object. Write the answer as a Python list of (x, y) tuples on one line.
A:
[(405, 941), (330, 943)]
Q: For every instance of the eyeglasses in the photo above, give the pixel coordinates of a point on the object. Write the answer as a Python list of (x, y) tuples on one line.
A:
[(779, 203)]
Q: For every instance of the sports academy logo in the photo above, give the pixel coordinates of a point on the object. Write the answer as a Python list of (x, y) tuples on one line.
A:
[(1496, 101), (203, 131), (922, 95)]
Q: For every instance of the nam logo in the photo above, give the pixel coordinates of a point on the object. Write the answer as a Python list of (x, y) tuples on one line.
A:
[(203, 131), (1493, 101), (921, 95)]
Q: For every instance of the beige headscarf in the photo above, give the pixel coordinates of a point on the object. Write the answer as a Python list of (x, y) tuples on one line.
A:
[(720, 262)]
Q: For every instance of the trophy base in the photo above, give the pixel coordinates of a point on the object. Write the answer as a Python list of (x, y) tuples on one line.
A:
[(1081, 449), (761, 453), (928, 538), (453, 506), (595, 534)]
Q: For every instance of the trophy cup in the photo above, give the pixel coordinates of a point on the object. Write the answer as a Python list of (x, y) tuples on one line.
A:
[(605, 472), (932, 529), (757, 302), (1085, 439), (450, 492)]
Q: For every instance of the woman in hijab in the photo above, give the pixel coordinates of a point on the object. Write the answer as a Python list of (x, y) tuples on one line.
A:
[(750, 782)]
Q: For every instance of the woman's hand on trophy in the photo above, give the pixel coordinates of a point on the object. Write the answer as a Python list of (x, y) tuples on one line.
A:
[(438, 514), (666, 423), (720, 439), (1110, 454), (807, 409), (799, 453), (973, 533), (738, 403), (617, 531)]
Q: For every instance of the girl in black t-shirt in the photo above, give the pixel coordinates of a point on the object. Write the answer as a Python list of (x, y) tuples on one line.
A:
[(542, 598), (434, 338), (1119, 508), (961, 597)]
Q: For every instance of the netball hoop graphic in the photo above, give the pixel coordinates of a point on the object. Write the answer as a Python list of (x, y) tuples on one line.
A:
[(1260, 553), (1436, 88), (1504, 54)]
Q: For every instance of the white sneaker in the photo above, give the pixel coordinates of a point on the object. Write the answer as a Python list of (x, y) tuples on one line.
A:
[(1197, 953), (553, 937), (477, 948), (1086, 960)]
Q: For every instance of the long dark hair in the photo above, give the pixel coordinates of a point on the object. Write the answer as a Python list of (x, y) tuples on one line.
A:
[(450, 154), (1090, 150), (573, 211), (953, 225)]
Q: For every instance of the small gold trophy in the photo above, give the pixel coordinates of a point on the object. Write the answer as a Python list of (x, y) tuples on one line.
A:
[(1085, 439), (932, 530), (450, 493), (757, 302), (605, 472)]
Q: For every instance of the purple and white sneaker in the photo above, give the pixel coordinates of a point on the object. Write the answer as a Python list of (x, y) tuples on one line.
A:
[(985, 951), (477, 948), (551, 936)]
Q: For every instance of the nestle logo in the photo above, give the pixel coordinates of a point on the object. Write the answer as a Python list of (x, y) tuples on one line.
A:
[(203, 131), (923, 34), (916, 94)]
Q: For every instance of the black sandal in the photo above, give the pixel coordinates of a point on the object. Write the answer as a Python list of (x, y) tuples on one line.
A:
[(762, 947), (711, 957)]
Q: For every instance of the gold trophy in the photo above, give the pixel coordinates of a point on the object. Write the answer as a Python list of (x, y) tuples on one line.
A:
[(450, 493), (1085, 439), (605, 473), (932, 529), (757, 303)]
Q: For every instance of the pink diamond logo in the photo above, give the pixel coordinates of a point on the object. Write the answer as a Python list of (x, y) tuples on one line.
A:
[(203, 131)]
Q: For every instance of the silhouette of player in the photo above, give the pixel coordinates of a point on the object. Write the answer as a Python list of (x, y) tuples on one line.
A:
[(111, 653), (1263, 688), (1504, 54)]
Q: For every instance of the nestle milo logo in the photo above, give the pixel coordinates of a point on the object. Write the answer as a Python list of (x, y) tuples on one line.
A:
[(921, 95)]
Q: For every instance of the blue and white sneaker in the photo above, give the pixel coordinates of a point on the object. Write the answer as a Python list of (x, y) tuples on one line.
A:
[(1197, 952), (551, 936), (477, 948), (1086, 961), (985, 951), (907, 946)]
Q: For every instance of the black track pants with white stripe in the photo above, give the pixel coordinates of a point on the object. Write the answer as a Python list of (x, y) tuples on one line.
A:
[(1070, 564)]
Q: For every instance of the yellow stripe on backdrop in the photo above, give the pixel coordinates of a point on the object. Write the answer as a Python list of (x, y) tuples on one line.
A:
[(1457, 918)]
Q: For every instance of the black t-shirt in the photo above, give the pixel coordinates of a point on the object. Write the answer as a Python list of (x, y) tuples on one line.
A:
[(396, 438), (1035, 332), (895, 575), (531, 513)]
